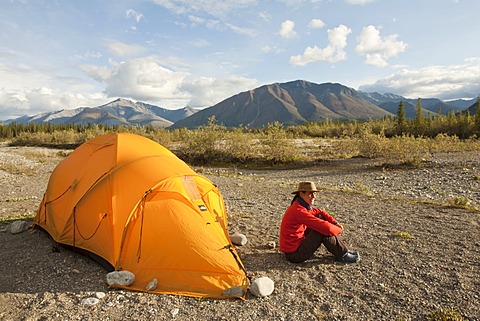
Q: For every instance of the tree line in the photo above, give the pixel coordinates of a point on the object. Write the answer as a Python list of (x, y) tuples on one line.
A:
[(462, 125)]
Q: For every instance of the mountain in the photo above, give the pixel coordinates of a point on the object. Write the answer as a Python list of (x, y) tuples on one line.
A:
[(117, 112), (288, 103), (55, 117), (473, 108), (378, 99), (390, 103), (463, 103)]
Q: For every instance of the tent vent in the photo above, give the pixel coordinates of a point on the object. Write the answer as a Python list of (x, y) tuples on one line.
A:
[(191, 188)]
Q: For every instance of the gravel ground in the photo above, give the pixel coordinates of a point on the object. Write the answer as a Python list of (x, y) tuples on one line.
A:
[(397, 279)]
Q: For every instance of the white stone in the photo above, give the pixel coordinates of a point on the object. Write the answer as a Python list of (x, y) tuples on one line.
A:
[(174, 312), (90, 301), (18, 227), (120, 278), (152, 285), (100, 295), (239, 239), (262, 287)]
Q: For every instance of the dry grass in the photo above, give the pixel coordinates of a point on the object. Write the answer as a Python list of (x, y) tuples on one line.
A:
[(275, 145), (445, 314)]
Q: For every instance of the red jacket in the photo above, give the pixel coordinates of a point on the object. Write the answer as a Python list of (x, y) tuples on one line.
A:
[(296, 220)]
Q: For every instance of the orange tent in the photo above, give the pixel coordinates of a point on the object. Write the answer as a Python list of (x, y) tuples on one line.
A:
[(135, 204)]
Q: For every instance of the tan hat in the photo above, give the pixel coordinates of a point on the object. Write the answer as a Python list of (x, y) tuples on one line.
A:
[(306, 187)]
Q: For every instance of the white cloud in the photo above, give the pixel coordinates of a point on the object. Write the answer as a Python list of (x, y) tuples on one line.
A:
[(51, 100), (287, 29), (26, 90), (316, 24), (7, 54), (98, 73), (240, 30), (87, 55), (134, 14), (143, 79), (213, 8), (220, 10), (378, 49), (199, 43), (213, 24), (12, 104), (298, 3), (265, 16), (42, 99), (444, 82), (146, 79), (361, 2), (217, 25), (268, 48), (210, 91), (333, 52), (121, 49), (196, 20), (473, 59)]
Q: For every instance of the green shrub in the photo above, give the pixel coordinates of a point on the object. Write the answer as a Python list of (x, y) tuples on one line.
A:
[(445, 314), (240, 145), (459, 201), (406, 150), (403, 235), (370, 145), (278, 148), (275, 144)]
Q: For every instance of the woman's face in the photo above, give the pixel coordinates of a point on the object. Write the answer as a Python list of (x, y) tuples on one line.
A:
[(308, 197)]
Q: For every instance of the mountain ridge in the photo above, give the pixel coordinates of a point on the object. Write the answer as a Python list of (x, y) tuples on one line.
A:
[(120, 111), (290, 103)]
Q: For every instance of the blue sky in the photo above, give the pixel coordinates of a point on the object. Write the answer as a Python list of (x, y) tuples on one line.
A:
[(63, 54)]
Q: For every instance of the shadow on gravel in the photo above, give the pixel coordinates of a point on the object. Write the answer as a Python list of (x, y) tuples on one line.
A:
[(256, 262), (29, 264)]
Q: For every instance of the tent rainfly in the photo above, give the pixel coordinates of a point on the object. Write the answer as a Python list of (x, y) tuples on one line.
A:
[(133, 203)]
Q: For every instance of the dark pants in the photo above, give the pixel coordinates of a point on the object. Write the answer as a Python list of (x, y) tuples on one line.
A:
[(312, 242)]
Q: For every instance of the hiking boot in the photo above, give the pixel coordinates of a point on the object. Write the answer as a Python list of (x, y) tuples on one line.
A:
[(349, 258)]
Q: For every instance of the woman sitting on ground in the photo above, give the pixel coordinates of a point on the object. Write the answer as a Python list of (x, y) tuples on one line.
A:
[(304, 228)]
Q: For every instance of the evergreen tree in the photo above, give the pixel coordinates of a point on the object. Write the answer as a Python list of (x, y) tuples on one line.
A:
[(477, 115), (401, 115), (419, 123)]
